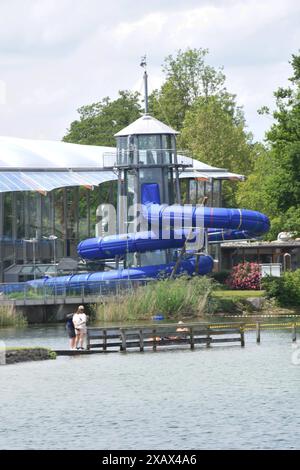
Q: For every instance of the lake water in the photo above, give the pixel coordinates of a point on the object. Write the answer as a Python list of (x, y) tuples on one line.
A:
[(225, 397)]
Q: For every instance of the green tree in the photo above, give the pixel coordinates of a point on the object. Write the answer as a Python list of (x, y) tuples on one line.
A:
[(194, 100), (274, 185), (187, 78), (252, 193), (100, 121), (213, 131)]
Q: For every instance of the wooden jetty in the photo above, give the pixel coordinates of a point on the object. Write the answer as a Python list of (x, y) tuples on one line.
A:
[(156, 337), (259, 326), (79, 352), (173, 335)]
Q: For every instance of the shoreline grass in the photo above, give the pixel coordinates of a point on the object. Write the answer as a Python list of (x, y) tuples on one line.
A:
[(9, 317), (174, 299)]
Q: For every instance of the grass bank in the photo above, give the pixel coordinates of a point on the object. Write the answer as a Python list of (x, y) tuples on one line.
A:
[(9, 317), (238, 294), (234, 301)]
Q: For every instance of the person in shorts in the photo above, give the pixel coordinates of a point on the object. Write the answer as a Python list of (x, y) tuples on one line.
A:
[(71, 330)]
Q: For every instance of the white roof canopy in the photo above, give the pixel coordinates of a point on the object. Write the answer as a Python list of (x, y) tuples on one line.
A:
[(42, 165), (47, 154)]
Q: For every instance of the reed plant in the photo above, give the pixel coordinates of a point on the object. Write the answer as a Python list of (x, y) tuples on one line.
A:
[(181, 297), (9, 317)]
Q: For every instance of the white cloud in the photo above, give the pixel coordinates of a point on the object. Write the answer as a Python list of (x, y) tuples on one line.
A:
[(2, 92), (254, 86), (56, 55)]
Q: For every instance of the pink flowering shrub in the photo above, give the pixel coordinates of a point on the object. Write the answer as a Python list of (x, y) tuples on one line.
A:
[(245, 276)]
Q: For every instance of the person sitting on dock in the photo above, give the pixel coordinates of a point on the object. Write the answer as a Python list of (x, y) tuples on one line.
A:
[(80, 320), (71, 330), (179, 329)]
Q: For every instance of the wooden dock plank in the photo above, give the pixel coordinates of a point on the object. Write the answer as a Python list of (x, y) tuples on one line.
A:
[(85, 352)]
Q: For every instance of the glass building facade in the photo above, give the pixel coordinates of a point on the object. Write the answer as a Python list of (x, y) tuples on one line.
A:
[(71, 215), (67, 213)]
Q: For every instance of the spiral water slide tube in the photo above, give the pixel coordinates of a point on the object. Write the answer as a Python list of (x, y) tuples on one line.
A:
[(222, 224), (163, 220)]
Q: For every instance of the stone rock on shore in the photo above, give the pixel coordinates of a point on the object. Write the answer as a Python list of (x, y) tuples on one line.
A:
[(256, 302), (14, 356)]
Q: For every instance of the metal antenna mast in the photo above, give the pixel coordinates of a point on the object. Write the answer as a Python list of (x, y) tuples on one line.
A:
[(144, 65)]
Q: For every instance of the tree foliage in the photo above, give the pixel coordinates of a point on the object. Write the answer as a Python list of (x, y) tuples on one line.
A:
[(214, 133), (274, 185), (194, 100), (187, 78), (285, 289), (100, 121)]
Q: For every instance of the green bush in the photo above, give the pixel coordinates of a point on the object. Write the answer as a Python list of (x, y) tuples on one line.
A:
[(273, 286), (221, 277), (52, 354), (285, 289), (230, 305), (221, 305)]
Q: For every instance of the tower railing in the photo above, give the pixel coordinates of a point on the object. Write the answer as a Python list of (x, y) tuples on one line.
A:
[(145, 157), (109, 159)]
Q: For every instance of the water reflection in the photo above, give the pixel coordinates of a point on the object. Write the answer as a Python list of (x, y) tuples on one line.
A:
[(222, 397)]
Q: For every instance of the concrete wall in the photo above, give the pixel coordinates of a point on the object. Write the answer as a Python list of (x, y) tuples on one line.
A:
[(47, 313)]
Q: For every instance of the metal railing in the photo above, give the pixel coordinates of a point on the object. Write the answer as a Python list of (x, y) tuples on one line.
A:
[(270, 269), (109, 159), (51, 292)]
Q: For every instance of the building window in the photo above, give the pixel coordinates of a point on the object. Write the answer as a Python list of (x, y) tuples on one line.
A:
[(72, 213), (7, 220), (59, 212), (83, 209), (216, 199), (46, 215), (209, 193), (20, 215), (103, 194), (33, 200)]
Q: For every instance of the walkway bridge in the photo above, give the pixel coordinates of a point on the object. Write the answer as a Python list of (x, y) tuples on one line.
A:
[(23, 295)]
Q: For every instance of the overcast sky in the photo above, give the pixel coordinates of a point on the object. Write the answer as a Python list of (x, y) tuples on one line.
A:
[(56, 55)]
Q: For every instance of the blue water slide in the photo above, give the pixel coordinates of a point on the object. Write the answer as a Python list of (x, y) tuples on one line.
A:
[(106, 280), (118, 245), (217, 235), (141, 242), (229, 224), (159, 215), (163, 222)]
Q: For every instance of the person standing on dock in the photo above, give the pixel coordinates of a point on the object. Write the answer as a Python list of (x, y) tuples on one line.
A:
[(71, 330), (79, 321)]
